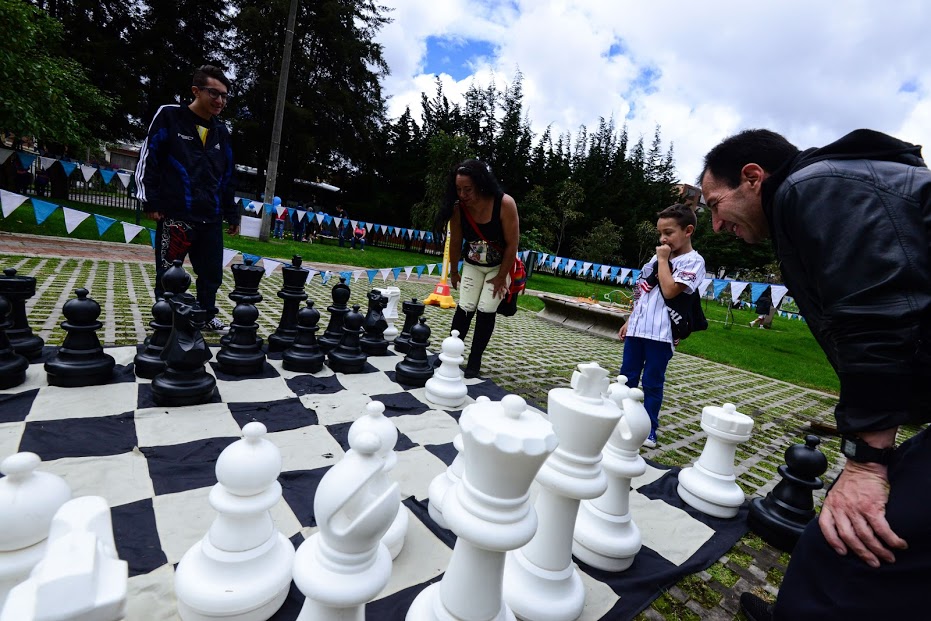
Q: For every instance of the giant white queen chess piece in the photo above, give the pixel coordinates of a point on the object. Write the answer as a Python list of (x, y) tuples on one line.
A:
[(606, 536), (710, 484), (242, 568), (540, 580), (504, 445)]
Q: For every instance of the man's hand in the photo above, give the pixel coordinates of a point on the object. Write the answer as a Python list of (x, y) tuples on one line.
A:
[(154, 215), (854, 514), (500, 285), (454, 280), (233, 229), (662, 252), (622, 333)]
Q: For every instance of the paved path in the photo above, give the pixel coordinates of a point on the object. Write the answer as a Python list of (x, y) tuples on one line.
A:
[(527, 355)]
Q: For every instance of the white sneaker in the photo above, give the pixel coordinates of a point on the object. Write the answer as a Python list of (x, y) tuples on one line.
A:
[(650, 442), (215, 325)]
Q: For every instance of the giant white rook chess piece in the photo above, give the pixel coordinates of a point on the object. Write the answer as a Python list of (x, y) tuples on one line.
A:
[(28, 501), (242, 568), (710, 485), (345, 564), (79, 578), (489, 509), (446, 388), (375, 421), (540, 580), (606, 536)]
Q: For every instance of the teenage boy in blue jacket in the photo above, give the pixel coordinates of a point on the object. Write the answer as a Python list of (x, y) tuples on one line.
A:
[(185, 182)]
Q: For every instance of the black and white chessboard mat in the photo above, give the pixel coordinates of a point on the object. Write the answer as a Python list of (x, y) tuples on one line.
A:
[(155, 467)]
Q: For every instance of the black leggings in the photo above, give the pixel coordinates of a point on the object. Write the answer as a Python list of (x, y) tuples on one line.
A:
[(484, 326)]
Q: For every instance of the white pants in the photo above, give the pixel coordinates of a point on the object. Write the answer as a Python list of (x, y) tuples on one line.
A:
[(475, 291)]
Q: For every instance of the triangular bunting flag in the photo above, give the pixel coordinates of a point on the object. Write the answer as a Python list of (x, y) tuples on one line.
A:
[(604, 270), (585, 266), (11, 201), (407, 271), (152, 237), (310, 275), (396, 271), (68, 166), (422, 233), (737, 288), (124, 179), (430, 268), (255, 207), (420, 269), (719, 286), (87, 171), (130, 231), (371, 274), (291, 212), (26, 159), (4, 154), (525, 256), (280, 210), (384, 274), (703, 287), (269, 208), (319, 217), (270, 265), (103, 223), (347, 275), (756, 290), (625, 272), (42, 210), (46, 162), (357, 274), (383, 229), (325, 276), (228, 255), (368, 226), (73, 218), (301, 215), (390, 230), (779, 292), (250, 259), (542, 259), (338, 221), (107, 176), (246, 203), (570, 264), (354, 223), (327, 218)]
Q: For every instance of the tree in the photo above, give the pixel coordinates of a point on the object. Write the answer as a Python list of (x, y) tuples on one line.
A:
[(445, 151), (570, 197), (536, 221), (47, 95), (601, 244)]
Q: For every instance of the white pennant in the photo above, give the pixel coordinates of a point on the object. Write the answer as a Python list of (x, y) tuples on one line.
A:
[(10, 201), (625, 272), (585, 266), (778, 292), (338, 221), (430, 268), (310, 275), (604, 270), (130, 231), (354, 223), (73, 218), (368, 226), (300, 215), (124, 179), (422, 234), (320, 219), (280, 209), (255, 206), (703, 287), (356, 275), (4, 154), (407, 271), (543, 258), (525, 255), (87, 171), (269, 265), (570, 265), (47, 161), (737, 288), (384, 273), (383, 228), (228, 256)]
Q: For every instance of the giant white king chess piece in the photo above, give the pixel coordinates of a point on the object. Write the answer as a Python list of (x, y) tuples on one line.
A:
[(489, 509), (241, 569), (710, 484), (540, 580), (606, 536)]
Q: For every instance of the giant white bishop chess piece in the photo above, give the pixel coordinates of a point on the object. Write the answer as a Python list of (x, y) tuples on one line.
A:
[(345, 564), (28, 502), (375, 421), (606, 536), (446, 388), (241, 569), (489, 509), (710, 484), (80, 577), (540, 580)]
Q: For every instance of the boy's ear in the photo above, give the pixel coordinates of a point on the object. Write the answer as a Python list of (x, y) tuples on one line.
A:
[(689, 229)]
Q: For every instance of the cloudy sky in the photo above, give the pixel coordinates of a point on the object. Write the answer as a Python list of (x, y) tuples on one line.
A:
[(811, 70)]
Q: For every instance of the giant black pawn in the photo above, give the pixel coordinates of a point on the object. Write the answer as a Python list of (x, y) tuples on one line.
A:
[(80, 360), (12, 365), (338, 310), (148, 363), (305, 355), (416, 369), (292, 292), (243, 354), (348, 356), (373, 342), (18, 289), (412, 311), (246, 279), (185, 380), (780, 518)]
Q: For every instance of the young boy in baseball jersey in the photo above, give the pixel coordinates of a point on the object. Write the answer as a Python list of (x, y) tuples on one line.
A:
[(675, 269)]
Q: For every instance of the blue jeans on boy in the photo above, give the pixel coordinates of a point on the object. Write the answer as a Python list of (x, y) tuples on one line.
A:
[(649, 358), (279, 229)]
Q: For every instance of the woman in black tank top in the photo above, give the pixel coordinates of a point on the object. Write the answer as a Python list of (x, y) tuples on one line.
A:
[(484, 231)]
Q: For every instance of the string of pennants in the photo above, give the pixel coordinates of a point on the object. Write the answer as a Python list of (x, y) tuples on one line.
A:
[(87, 171)]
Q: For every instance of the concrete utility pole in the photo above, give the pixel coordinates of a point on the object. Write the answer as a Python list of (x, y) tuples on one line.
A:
[(272, 170)]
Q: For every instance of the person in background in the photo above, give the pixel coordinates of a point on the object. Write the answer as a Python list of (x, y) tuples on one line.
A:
[(297, 223), (281, 216), (185, 182), (358, 237), (764, 310), (484, 230), (850, 226)]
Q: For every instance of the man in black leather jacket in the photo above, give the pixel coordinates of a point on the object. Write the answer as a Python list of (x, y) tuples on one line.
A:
[(851, 225)]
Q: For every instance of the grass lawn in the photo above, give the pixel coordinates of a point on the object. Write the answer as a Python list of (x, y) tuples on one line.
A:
[(787, 352)]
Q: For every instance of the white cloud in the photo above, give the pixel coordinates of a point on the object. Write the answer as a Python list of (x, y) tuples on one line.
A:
[(810, 69)]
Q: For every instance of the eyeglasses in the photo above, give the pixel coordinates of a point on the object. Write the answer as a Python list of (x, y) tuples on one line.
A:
[(214, 93)]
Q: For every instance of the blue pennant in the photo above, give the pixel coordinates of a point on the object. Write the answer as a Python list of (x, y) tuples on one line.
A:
[(291, 212), (68, 166), (346, 275), (42, 210), (429, 237), (26, 159), (756, 290), (107, 176), (396, 271), (327, 218), (152, 237), (103, 223), (390, 230), (420, 269), (250, 259), (371, 274), (614, 271), (246, 202), (719, 286), (269, 208)]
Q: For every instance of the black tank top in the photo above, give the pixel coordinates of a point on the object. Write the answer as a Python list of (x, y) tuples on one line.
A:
[(494, 236)]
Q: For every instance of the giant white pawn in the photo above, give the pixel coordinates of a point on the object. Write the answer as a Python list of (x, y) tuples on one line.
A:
[(241, 569), (375, 421), (540, 580), (28, 502), (391, 311), (80, 577), (445, 481), (606, 536), (345, 564), (710, 484), (446, 388), (489, 509)]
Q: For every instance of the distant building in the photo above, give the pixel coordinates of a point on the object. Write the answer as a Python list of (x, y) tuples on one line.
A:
[(691, 196), (123, 156)]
